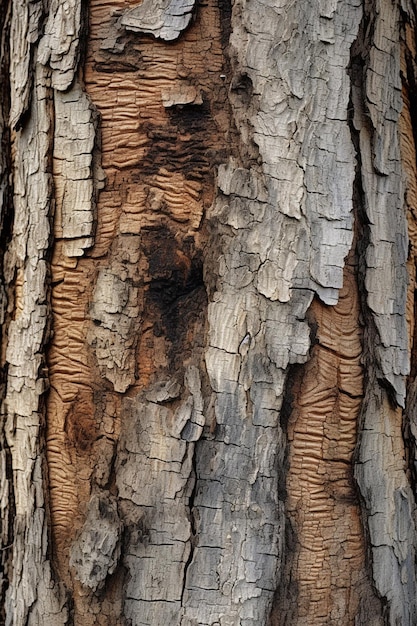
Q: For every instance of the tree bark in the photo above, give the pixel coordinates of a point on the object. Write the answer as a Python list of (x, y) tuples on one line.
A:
[(208, 311)]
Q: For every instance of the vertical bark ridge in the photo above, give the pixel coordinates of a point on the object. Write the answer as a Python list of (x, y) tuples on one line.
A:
[(377, 105), (44, 58), (270, 201), (408, 130), (380, 470), (408, 133), (32, 592)]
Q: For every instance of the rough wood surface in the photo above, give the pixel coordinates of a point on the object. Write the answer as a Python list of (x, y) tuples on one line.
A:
[(376, 115), (24, 32), (32, 596), (188, 184), (121, 315), (267, 274), (165, 19), (59, 46), (328, 567), (380, 471), (6, 483), (74, 172)]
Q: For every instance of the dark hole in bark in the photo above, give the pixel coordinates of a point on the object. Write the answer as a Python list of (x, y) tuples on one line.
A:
[(174, 271), (176, 293), (165, 291), (190, 117)]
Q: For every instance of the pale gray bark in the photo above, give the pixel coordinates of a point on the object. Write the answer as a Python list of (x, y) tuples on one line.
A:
[(389, 502)]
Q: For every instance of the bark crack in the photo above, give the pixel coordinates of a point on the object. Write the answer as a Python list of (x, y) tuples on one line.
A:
[(192, 519)]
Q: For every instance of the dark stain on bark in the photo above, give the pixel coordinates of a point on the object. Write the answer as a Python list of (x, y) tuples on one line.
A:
[(188, 144), (176, 294)]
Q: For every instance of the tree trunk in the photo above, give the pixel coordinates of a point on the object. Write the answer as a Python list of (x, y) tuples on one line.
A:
[(209, 369)]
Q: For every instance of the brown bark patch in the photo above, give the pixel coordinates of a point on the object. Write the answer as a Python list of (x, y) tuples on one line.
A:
[(163, 127), (327, 567)]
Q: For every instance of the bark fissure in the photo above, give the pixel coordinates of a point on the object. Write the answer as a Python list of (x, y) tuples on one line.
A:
[(7, 505), (386, 497), (193, 524), (409, 154)]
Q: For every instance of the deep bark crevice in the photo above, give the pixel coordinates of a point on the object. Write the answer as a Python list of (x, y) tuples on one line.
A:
[(6, 233), (284, 609), (379, 415), (357, 70), (409, 82), (193, 522)]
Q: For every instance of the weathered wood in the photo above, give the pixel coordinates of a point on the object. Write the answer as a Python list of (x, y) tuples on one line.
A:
[(6, 489), (32, 596), (376, 116), (182, 448), (74, 175), (322, 433), (165, 19), (266, 279), (380, 473)]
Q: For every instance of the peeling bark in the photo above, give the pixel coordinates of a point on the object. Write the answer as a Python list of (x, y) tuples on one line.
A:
[(208, 313)]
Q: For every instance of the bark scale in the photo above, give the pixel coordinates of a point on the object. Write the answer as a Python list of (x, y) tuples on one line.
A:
[(208, 313)]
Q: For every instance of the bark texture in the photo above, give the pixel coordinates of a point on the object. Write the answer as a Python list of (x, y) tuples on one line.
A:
[(208, 311)]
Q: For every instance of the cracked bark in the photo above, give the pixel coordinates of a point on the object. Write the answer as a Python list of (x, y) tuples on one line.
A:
[(208, 309)]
